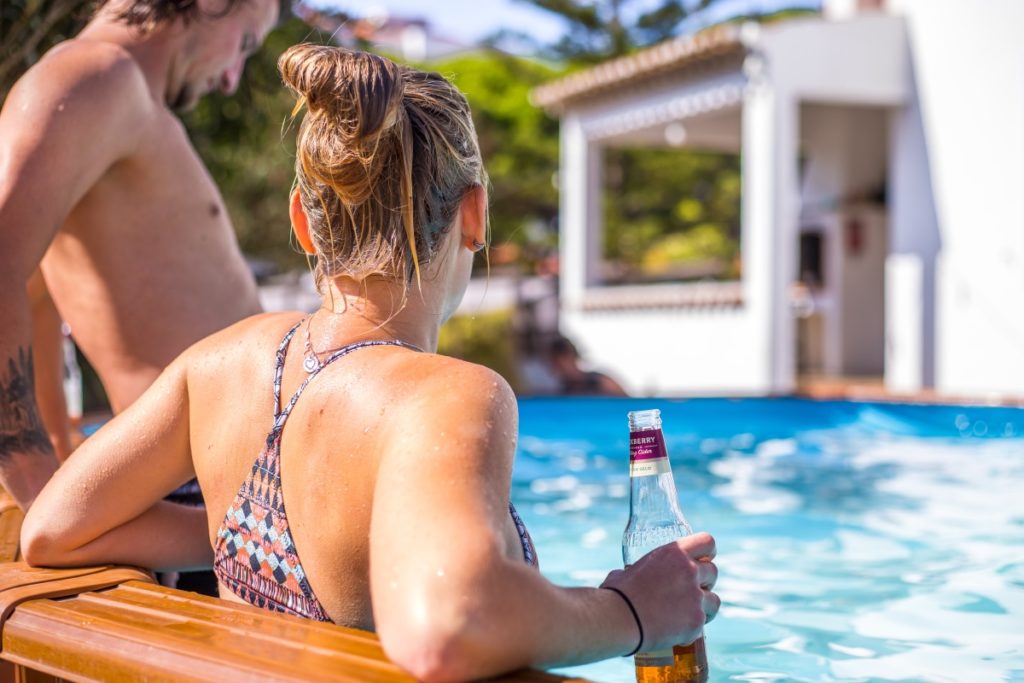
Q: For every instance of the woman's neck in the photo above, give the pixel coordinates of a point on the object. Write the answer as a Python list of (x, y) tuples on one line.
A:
[(376, 309)]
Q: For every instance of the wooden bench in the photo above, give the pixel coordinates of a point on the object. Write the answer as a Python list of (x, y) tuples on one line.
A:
[(11, 518), (115, 623)]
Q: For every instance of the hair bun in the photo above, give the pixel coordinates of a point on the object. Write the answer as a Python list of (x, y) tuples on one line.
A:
[(359, 91)]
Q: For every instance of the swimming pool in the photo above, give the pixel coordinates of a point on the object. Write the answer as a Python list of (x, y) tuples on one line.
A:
[(857, 541)]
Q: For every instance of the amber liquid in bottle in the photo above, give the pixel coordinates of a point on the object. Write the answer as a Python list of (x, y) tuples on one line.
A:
[(654, 520)]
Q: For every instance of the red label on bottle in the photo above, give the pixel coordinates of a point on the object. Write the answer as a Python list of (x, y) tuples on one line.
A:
[(647, 453), (647, 444)]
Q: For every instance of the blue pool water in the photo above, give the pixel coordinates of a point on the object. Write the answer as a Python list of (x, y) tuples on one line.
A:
[(857, 541)]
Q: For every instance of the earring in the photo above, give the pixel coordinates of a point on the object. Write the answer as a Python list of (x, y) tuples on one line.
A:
[(477, 246)]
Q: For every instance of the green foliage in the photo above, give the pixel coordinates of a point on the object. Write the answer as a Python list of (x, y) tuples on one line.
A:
[(602, 29), (246, 143), (705, 244), (28, 28), (484, 338), (671, 213), (519, 143)]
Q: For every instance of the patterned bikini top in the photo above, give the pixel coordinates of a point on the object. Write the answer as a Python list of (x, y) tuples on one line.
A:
[(254, 553)]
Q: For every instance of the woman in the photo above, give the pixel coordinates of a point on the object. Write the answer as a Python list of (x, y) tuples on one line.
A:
[(396, 462)]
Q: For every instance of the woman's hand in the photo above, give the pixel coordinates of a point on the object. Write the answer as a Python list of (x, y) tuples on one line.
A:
[(670, 588)]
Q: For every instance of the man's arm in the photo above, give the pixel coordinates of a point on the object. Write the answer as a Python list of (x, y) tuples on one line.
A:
[(59, 133), (48, 358)]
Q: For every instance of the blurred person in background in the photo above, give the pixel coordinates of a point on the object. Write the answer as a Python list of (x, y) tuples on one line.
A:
[(573, 380)]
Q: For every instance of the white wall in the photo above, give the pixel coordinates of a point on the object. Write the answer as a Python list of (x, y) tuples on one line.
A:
[(846, 160), (860, 62), (914, 245), (658, 352), (863, 309), (674, 349), (968, 65)]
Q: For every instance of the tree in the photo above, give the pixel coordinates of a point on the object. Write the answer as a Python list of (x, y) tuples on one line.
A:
[(601, 29), (519, 143), (28, 28), (248, 143)]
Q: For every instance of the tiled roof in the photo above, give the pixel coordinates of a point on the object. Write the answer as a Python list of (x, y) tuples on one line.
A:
[(670, 55)]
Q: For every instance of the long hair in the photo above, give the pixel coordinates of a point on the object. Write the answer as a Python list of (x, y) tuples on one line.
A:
[(385, 155)]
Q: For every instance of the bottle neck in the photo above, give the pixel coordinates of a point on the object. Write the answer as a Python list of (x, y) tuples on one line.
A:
[(653, 499)]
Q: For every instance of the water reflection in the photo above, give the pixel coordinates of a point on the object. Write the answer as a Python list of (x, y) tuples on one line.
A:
[(857, 542)]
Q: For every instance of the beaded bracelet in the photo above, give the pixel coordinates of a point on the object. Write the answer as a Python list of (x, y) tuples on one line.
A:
[(639, 626)]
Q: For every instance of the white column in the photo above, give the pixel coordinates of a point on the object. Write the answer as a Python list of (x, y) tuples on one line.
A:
[(914, 243), (595, 212), (572, 187), (768, 234), (904, 323), (785, 239), (758, 200), (580, 229)]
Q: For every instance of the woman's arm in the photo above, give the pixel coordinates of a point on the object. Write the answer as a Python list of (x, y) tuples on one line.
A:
[(104, 504), (448, 602)]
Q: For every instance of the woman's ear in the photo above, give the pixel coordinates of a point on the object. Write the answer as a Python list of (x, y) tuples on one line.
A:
[(473, 214), (300, 224)]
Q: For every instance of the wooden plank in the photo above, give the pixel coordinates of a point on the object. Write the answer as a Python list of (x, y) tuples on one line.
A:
[(139, 631), (276, 629), (21, 582), (242, 619), (92, 638), (11, 518), (158, 642)]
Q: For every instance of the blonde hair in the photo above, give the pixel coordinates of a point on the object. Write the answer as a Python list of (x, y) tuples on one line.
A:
[(385, 154)]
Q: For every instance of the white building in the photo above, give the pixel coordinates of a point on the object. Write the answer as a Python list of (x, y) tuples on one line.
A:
[(888, 137)]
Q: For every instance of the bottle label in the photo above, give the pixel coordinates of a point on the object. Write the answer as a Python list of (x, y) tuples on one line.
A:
[(647, 453)]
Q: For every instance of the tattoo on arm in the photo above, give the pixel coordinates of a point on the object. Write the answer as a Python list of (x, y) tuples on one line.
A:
[(21, 428)]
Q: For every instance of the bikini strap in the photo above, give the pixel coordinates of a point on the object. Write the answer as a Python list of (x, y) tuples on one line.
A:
[(282, 352), (282, 415)]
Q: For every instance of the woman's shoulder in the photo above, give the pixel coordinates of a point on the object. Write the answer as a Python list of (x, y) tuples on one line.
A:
[(444, 378), (257, 336), (441, 389)]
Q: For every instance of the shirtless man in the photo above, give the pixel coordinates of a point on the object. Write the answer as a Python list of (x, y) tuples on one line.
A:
[(101, 191)]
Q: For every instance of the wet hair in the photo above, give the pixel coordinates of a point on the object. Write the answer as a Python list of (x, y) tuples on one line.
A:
[(384, 156), (148, 14)]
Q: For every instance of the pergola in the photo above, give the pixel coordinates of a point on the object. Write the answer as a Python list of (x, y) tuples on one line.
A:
[(735, 88)]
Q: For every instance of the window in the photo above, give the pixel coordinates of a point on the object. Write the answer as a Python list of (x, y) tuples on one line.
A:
[(670, 215)]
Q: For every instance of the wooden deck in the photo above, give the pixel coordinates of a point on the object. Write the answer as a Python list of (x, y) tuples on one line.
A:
[(115, 624), (873, 389)]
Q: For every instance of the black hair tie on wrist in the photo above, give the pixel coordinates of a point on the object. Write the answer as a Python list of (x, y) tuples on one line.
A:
[(639, 626)]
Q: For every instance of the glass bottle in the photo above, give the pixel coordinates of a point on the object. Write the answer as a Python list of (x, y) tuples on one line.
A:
[(654, 520)]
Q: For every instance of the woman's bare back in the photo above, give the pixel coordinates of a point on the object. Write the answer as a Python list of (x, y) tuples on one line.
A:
[(330, 446)]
